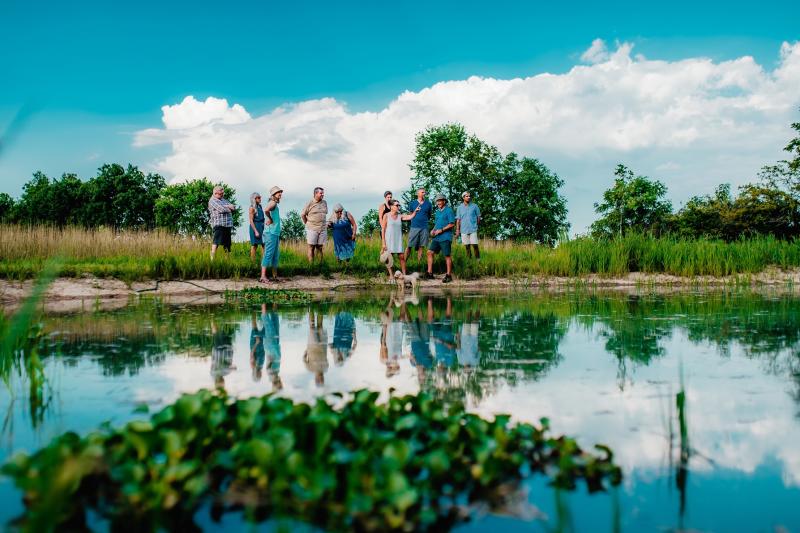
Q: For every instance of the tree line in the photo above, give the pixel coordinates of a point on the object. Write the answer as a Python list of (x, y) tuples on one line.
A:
[(519, 197)]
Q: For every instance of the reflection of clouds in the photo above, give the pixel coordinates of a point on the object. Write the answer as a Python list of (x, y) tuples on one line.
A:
[(740, 416), (740, 424)]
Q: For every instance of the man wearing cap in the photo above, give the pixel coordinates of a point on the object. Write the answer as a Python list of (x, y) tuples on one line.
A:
[(418, 232), (442, 233), (468, 216), (314, 216), (272, 235)]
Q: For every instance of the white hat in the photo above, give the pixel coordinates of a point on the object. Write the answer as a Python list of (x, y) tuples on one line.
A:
[(386, 258)]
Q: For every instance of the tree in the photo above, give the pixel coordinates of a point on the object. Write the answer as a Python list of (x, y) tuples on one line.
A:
[(766, 210), (706, 216), (183, 207), (368, 226), (6, 207), (539, 213), (121, 198), (632, 203), (292, 227), (34, 204)]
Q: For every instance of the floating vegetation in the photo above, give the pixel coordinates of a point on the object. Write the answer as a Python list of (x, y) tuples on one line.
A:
[(263, 295), (410, 463)]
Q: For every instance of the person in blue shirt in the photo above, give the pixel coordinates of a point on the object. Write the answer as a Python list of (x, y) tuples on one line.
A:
[(418, 235), (442, 237), (468, 216)]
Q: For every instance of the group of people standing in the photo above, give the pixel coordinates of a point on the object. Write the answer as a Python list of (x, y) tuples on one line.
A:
[(265, 226)]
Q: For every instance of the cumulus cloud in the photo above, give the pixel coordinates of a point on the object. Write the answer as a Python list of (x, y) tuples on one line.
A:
[(692, 123)]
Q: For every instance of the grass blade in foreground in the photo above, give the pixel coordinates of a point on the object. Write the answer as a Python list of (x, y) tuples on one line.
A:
[(411, 463)]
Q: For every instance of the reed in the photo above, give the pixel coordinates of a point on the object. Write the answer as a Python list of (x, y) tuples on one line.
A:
[(133, 256)]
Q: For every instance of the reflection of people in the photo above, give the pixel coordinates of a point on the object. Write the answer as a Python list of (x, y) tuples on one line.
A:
[(344, 337), (444, 340), (468, 341), (316, 354), (272, 346), (221, 354), (418, 332), (256, 347), (391, 342)]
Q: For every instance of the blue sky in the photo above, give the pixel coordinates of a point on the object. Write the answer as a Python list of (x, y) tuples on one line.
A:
[(99, 72)]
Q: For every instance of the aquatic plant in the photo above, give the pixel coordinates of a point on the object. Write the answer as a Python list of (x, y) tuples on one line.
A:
[(409, 463), (263, 295)]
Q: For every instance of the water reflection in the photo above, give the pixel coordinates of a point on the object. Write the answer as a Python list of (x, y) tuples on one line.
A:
[(316, 354), (604, 367)]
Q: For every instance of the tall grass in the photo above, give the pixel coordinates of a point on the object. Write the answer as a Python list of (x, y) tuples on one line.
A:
[(135, 256)]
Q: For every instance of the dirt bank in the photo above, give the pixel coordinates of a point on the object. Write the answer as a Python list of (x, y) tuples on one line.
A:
[(75, 292)]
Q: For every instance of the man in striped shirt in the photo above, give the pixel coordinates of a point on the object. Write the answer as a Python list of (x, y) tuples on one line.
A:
[(221, 219)]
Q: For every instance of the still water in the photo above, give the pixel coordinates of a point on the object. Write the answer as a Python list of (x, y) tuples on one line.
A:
[(604, 368)]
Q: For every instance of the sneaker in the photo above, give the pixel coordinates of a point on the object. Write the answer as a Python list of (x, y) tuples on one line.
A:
[(428, 275), (447, 278)]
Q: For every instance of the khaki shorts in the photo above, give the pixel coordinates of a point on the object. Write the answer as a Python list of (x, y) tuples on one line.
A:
[(318, 238), (469, 238)]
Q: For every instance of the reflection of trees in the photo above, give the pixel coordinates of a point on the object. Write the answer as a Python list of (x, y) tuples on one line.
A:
[(129, 340)]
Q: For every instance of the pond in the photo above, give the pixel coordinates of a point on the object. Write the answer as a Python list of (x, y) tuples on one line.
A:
[(603, 367)]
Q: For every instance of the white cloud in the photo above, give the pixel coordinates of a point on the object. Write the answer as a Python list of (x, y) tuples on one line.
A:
[(596, 53), (692, 123)]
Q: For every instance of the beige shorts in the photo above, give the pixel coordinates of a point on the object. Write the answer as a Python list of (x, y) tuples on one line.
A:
[(316, 237), (469, 238)]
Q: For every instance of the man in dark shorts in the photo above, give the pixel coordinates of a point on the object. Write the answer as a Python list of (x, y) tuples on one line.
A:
[(442, 241), (221, 219), (418, 232)]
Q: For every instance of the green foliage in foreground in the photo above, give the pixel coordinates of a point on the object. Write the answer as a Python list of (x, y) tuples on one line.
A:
[(262, 295), (408, 464)]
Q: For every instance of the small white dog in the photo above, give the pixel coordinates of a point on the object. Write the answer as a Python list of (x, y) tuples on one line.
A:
[(407, 280)]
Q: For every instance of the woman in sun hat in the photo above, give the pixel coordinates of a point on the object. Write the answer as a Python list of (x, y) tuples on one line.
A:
[(344, 233), (272, 235)]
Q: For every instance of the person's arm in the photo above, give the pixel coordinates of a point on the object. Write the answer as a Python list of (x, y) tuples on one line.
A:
[(353, 224), (458, 223), (412, 215), (250, 214), (380, 216), (215, 205), (268, 211), (383, 233), (478, 211), (304, 214)]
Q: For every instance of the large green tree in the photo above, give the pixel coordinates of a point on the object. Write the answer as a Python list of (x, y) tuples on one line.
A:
[(121, 198), (518, 198), (183, 207), (449, 161), (532, 207), (706, 216), (633, 203)]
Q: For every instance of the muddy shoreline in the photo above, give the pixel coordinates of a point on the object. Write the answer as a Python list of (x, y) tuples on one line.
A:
[(76, 294)]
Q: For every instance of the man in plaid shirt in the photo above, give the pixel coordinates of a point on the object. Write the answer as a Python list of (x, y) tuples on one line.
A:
[(221, 211)]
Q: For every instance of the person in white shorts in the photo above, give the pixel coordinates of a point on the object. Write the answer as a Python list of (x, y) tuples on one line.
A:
[(314, 216), (468, 216)]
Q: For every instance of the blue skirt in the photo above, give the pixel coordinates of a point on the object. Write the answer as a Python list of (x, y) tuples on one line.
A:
[(343, 244), (254, 241)]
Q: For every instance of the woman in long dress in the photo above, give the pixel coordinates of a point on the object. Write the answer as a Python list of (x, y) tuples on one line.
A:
[(256, 218), (392, 234), (344, 233)]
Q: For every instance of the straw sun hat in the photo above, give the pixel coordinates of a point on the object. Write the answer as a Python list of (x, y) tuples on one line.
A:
[(386, 258)]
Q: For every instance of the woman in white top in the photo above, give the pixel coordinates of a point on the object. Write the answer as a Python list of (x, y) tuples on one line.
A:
[(392, 234)]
